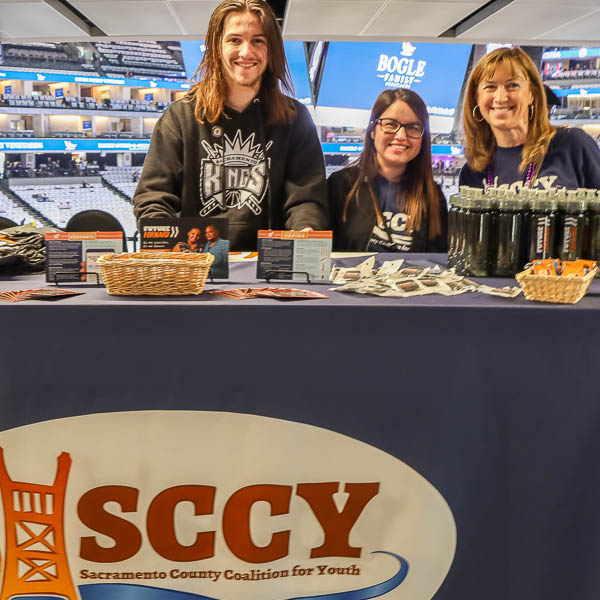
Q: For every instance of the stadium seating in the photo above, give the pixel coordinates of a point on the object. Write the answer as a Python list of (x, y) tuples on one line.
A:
[(9, 210), (46, 54), (122, 178), (78, 103), (146, 58), (58, 203)]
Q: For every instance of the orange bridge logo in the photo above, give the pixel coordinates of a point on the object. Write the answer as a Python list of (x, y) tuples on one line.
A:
[(36, 561)]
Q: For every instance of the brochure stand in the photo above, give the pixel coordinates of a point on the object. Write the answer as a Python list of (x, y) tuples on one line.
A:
[(282, 275), (57, 277)]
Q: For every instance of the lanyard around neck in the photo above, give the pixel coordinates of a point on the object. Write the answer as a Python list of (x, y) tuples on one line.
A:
[(527, 181)]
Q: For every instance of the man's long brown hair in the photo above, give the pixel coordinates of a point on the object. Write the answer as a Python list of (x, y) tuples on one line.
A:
[(480, 143), (421, 194), (210, 93)]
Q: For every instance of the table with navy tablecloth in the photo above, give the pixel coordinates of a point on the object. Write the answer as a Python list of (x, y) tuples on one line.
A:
[(494, 401)]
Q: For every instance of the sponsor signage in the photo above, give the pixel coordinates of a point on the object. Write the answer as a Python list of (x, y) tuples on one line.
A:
[(100, 145), (357, 72), (331, 148), (213, 505), (72, 145), (63, 77), (573, 53), (577, 92)]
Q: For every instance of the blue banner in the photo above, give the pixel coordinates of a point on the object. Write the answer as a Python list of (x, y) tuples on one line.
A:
[(72, 145), (192, 52), (575, 53), (436, 149), (62, 77), (357, 72), (102, 145), (296, 58), (577, 92)]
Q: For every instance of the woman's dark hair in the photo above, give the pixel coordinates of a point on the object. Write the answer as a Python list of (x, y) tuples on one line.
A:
[(421, 191)]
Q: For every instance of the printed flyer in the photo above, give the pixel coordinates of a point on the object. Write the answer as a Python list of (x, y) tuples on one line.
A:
[(71, 255), (189, 234), (293, 254)]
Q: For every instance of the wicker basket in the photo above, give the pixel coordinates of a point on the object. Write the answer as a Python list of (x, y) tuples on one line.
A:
[(155, 273), (554, 288)]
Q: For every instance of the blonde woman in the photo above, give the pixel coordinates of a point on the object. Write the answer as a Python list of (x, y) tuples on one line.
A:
[(509, 141)]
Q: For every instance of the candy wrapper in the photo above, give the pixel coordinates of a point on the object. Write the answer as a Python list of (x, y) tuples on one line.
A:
[(395, 279)]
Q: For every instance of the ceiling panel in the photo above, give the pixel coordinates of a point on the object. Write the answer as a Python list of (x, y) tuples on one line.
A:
[(329, 19), (131, 17), (35, 19), (193, 15), (585, 28), (425, 18), (528, 20), (549, 22)]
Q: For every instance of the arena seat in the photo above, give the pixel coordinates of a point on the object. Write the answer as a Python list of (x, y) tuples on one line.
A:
[(96, 220), (6, 223)]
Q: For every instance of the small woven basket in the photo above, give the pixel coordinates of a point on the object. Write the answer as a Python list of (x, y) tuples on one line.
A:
[(155, 273), (554, 288)]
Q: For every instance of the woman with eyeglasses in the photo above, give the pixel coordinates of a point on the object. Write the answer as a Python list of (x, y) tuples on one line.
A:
[(387, 201)]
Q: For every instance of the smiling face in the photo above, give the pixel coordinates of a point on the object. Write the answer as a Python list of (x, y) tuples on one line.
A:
[(244, 51), (210, 233), (393, 151), (504, 99), (194, 236)]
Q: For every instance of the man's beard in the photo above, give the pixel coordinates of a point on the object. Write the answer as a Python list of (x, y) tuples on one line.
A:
[(252, 83)]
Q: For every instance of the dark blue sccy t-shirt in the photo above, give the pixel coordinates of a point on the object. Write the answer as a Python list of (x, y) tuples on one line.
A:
[(392, 237), (572, 161)]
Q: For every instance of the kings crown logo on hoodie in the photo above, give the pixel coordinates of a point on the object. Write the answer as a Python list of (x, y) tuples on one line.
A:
[(238, 167)]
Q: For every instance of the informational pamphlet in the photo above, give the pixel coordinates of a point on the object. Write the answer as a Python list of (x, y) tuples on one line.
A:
[(269, 292), (73, 255), (292, 254), (189, 234)]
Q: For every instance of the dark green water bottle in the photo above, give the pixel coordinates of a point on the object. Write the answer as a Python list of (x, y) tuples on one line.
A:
[(542, 226), (572, 225), (510, 235), (594, 229), (480, 232)]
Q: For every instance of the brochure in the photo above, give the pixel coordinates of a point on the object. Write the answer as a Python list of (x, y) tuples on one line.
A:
[(189, 234), (293, 254), (71, 255)]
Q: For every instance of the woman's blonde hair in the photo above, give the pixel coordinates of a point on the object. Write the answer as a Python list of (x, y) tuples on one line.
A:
[(210, 93), (480, 142), (421, 192)]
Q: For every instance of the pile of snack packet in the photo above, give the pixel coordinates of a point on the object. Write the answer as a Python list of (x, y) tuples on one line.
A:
[(392, 279), (563, 268)]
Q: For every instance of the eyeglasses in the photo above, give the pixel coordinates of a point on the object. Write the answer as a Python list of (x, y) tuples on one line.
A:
[(413, 130)]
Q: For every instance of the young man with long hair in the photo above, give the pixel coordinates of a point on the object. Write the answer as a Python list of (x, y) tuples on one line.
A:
[(238, 145)]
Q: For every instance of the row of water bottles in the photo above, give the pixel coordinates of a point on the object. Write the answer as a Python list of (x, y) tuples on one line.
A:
[(496, 232)]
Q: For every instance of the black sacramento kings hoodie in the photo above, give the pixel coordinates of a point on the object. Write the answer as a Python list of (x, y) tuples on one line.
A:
[(183, 174)]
